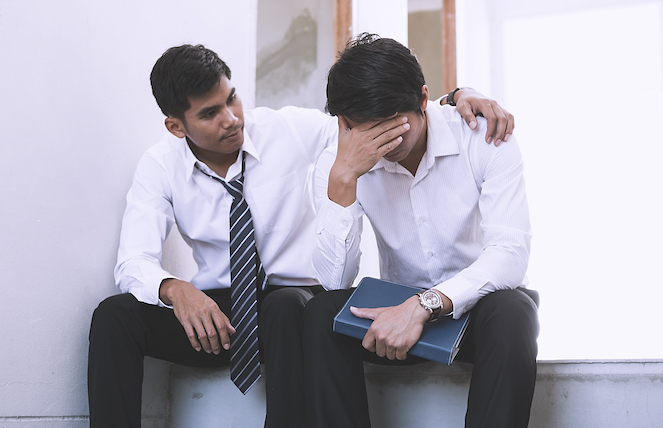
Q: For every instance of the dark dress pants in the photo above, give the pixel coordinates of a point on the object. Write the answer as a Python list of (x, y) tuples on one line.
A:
[(500, 342), (124, 331)]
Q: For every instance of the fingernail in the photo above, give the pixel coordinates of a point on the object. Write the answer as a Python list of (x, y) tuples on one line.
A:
[(498, 142), (406, 126), (473, 124), (506, 137)]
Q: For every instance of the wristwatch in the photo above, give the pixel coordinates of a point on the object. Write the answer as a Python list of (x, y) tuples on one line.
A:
[(450, 97), (432, 302)]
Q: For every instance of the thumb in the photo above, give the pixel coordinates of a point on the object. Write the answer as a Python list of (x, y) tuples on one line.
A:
[(368, 313)]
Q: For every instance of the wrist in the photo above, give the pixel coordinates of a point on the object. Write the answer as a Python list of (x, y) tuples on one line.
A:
[(420, 313), (342, 187), (455, 95), (169, 289)]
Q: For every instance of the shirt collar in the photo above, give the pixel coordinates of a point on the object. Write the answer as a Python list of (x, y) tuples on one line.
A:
[(441, 141), (190, 159)]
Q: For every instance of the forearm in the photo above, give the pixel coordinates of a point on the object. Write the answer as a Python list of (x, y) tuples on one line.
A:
[(141, 281), (496, 269), (337, 252), (342, 185)]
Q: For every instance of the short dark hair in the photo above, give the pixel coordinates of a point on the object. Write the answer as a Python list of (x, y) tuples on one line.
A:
[(185, 72), (374, 78)]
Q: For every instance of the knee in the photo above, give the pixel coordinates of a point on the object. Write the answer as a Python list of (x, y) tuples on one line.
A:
[(285, 300), (284, 305), (321, 310), (111, 313), (510, 315)]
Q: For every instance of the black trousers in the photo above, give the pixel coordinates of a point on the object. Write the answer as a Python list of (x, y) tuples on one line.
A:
[(124, 331), (500, 342)]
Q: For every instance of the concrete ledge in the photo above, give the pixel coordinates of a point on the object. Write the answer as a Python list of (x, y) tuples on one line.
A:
[(587, 394), (599, 394), (204, 398), (400, 396)]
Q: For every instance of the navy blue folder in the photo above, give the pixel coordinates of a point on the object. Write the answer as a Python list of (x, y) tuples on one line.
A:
[(439, 340)]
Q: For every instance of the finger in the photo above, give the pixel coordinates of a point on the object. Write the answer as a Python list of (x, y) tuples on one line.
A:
[(465, 110), (390, 139), (391, 145), (401, 354), (367, 313), (380, 348), (501, 127), (391, 122), (510, 126), (191, 335), (401, 351), (491, 122), (224, 328), (202, 336), (212, 335), (390, 352), (369, 342)]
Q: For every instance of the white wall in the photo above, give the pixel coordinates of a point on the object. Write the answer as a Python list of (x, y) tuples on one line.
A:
[(76, 113), (387, 18), (583, 78)]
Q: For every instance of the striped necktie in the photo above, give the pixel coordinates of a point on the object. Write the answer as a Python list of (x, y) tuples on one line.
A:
[(247, 276)]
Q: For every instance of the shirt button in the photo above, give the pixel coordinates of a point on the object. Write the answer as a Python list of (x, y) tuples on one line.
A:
[(431, 254), (422, 219)]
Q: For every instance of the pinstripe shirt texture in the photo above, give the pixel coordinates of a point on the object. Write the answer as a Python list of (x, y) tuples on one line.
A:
[(460, 224)]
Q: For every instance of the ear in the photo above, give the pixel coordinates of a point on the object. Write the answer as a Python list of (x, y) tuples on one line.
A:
[(423, 102), (176, 127)]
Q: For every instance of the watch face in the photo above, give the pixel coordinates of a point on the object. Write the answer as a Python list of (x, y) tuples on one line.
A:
[(431, 299)]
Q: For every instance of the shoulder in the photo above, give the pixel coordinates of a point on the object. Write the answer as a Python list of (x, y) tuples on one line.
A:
[(166, 157), (473, 140), (289, 114), (309, 130)]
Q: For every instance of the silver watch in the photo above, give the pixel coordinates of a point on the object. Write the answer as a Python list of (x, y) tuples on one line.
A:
[(432, 302)]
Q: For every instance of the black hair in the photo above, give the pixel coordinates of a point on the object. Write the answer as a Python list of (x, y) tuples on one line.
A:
[(182, 73), (374, 78)]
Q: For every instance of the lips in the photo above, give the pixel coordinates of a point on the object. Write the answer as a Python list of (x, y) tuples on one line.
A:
[(234, 134)]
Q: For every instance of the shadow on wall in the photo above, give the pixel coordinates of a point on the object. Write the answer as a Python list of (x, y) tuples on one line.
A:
[(284, 65)]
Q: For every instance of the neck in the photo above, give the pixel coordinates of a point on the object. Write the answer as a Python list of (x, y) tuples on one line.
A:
[(217, 162), (413, 159)]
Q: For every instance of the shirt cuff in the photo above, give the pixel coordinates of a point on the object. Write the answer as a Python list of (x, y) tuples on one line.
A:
[(461, 293), (340, 221)]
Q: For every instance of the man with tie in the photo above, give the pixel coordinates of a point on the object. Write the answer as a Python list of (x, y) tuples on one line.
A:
[(237, 186)]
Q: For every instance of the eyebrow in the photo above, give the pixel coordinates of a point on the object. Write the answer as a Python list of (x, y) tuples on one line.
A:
[(203, 111), (230, 96)]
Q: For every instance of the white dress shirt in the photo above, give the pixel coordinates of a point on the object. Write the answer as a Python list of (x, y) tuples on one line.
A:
[(460, 224), (282, 147)]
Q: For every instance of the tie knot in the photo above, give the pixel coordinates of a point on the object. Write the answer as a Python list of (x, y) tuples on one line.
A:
[(235, 188)]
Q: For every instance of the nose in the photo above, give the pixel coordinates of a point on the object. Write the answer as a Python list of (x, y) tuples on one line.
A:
[(228, 119)]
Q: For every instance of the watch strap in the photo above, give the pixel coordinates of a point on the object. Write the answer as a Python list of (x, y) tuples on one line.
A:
[(450, 97)]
